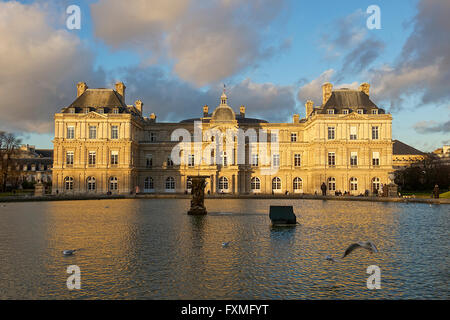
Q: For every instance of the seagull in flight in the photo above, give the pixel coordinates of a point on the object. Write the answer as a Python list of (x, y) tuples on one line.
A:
[(330, 258), (365, 245)]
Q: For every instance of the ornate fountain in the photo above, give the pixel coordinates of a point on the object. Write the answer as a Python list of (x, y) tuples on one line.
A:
[(198, 195)]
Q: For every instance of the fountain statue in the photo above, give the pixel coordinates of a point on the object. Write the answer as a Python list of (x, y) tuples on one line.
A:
[(198, 195)]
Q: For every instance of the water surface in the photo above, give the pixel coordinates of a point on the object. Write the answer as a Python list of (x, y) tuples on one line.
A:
[(150, 249)]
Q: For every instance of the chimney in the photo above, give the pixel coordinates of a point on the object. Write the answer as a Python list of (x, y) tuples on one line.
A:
[(81, 88), (295, 118), (242, 111), (326, 92), (138, 104), (205, 110), (309, 107), (120, 89), (364, 87)]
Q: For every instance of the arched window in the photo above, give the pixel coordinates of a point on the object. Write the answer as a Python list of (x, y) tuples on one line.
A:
[(353, 184), (255, 184), (170, 183), (169, 162), (298, 184), (189, 184), (91, 185), (113, 184), (375, 184), (148, 184), (331, 184), (68, 183), (276, 183), (223, 184)]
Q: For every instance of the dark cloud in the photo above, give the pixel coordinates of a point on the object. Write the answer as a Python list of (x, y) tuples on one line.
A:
[(174, 100), (423, 66), (424, 127), (362, 56)]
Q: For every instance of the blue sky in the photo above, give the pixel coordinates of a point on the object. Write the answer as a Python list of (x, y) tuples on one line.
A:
[(273, 55)]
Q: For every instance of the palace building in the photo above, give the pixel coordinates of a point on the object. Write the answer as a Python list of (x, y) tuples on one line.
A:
[(104, 145)]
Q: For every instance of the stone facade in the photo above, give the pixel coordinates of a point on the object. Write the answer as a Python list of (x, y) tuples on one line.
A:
[(103, 145)]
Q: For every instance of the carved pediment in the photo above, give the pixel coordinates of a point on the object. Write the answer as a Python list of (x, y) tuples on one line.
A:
[(354, 116), (95, 115)]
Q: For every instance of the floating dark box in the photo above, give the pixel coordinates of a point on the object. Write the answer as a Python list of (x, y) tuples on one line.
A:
[(282, 215)]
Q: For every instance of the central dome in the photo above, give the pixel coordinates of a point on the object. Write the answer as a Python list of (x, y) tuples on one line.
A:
[(223, 113)]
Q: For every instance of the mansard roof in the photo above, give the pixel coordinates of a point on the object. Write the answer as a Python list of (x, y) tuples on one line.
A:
[(349, 99), (400, 148), (108, 99)]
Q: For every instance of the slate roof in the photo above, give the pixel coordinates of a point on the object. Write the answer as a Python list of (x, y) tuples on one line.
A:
[(349, 99), (400, 148), (99, 98)]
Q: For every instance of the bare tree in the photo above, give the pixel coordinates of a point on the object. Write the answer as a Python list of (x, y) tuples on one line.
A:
[(9, 147)]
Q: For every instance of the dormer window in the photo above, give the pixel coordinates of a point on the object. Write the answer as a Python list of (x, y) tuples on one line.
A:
[(116, 110), (71, 110), (345, 111), (101, 110), (86, 110), (330, 111), (360, 111), (374, 111)]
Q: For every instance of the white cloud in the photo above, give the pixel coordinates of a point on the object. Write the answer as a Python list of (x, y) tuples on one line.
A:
[(205, 41), (39, 67)]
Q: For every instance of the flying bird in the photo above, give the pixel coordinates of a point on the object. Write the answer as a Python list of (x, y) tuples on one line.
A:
[(330, 258), (365, 245)]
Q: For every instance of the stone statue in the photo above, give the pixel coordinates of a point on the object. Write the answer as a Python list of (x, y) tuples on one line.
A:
[(198, 195)]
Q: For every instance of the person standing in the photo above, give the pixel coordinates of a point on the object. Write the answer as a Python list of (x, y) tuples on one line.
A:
[(323, 187)]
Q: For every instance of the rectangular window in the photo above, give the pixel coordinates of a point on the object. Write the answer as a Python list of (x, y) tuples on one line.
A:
[(375, 158), (255, 160), (276, 160), (148, 160), (70, 132), (360, 111), (353, 135), (374, 133), (345, 111), (331, 159), (353, 158), (331, 133), (69, 158), (330, 111), (274, 137), (152, 136), (297, 160), (114, 132), (191, 160), (116, 110), (114, 157), (293, 137), (92, 159), (92, 132), (374, 111)]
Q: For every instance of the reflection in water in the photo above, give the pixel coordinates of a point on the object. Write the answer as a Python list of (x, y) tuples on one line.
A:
[(137, 249)]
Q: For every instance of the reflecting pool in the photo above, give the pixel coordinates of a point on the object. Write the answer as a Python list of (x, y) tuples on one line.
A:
[(151, 249)]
